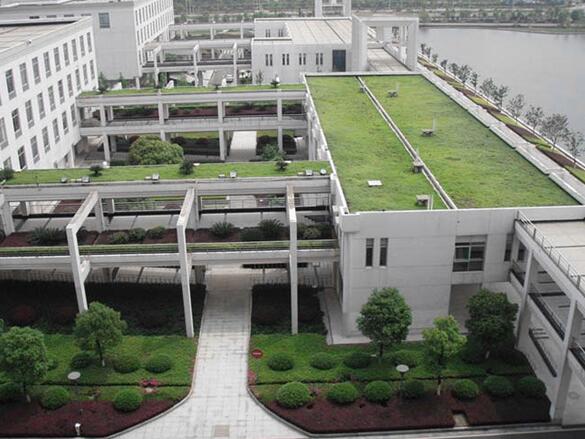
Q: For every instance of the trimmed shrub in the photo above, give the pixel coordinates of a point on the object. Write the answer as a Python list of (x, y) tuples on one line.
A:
[(126, 363), (23, 315), (465, 390), (473, 352), (343, 393), (378, 392), (293, 395), (55, 397), (47, 236), (270, 229), (498, 386), (10, 392), (156, 232), (281, 361), (410, 358), (357, 360), (159, 363), (6, 174), (413, 389), (222, 229), (128, 400), (323, 361), (308, 232), (531, 387), (81, 360), (186, 167), (251, 235), (136, 235), (64, 315), (119, 238)]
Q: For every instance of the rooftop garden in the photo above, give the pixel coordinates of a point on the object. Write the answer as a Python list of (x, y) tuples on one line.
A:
[(166, 172), (476, 168), (364, 148), (187, 89)]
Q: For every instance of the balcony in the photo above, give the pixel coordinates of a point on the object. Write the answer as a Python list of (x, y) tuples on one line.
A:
[(547, 303), (539, 338)]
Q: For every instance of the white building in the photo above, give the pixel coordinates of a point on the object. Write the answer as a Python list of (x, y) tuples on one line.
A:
[(43, 68), (121, 28)]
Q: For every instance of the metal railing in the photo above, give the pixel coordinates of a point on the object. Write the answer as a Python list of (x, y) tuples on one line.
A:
[(557, 324), (536, 337)]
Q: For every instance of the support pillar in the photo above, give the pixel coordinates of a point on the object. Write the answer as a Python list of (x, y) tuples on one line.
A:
[(106, 142), (185, 261), (412, 44), (242, 30), (280, 141), (137, 82), (6, 216), (293, 260), (110, 113), (279, 109), (114, 143), (523, 311), (318, 8), (111, 206), (220, 111), (100, 221), (76, 269), (103, 121), (222, 145)]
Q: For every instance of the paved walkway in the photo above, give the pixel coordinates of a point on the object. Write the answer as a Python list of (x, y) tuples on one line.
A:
[(220, 406)]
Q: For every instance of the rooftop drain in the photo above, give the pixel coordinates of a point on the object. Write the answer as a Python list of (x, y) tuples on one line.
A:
[(394, 93), (374, 183), (424, 200)]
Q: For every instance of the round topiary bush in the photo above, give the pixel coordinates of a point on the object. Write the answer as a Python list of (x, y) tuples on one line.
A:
[(498, 386), (413, 389), (23, 315), (465, 390), (280, 362), (159, 363), (81, 360), (410, 358), (323, 361), (531, 387), (128, 400), (357, 360), (126, 363), (293, 395), (343, 393), (9, 392), (55, 397), (378, 392)]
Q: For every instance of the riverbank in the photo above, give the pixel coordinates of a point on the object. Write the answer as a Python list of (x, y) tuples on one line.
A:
[(544, 28)]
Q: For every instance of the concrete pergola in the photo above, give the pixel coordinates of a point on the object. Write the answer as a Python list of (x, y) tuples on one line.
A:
[(345, 7)]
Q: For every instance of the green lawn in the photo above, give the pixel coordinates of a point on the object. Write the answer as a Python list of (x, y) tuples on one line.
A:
[(364, 148), (166, 172), (187, 89), (475, 167), (301, 347)]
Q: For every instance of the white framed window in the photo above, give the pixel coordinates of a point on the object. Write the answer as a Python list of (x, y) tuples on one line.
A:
[(383, 252), (10, 84), (66, 53), (69, 85), (21, 158), (89, 45), (57, 59), (51, 92), (469, 254), (3, 136), (46, 140), (34, 149), (16, 123), (7, 163), (41, 103), (61, 91), (319, 58), (65, 122), (47, 61), (369, 252), (56, 132), (285, 59), (74, 49), (91, 69), (30, 118), (73, 115), (302, 59), (268, 59), (36, 70), (82, 45), (104, 20), (85, 80), (77, 79), (267, 33), (24, 77)]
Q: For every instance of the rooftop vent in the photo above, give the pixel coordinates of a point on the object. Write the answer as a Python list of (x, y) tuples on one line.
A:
[(423, 200), (374, 183)]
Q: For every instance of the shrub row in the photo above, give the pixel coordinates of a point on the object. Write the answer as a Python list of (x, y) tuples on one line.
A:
[(124, 363), (137, 235)]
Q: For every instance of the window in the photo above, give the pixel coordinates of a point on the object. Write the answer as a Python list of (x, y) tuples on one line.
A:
[(469, 256), (16, 123), (3, 136), (34, 148), (302, 59), (74, 49), (10, 84), (77, 79), (91, 69), (21, 158), (61, 91), (51, 98), (30, 119), (521, 253), (285, 59), (56, 130), (268, 59), (7, 164), (383, 252), (65, 122), (281, 32), (57, 59), (104, 20), (267, 33), (82, 45), (319, 59), (47, 64), (508, 251), (41, 103), (89, 47), (46, 141), (69, 85), (85, 80), (66, 53), (73, 115), (24, 77), (36, 70), (369, 252)]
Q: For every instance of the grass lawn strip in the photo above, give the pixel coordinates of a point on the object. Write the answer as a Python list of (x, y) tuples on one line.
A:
[(475, 167), (364, 148), (194, 90)]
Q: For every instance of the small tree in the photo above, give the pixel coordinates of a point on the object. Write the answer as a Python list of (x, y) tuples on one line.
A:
[(534, 117), (150, 150), (516, 105), (488, 88), (463, 73), (385, 318), (259, 79), (99, 329), (435, 57), (444, 64), (474, 79), (574, 143), (442, 342), (454, 67), (499, 95), (23, 357), (555, 127), (102, 83), (491, 319)]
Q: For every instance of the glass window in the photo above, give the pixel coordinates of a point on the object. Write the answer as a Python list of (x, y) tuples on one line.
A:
[(21, 158), (383, 252), (85, 80), (56, 130), (82, 45), (57, 59), (66, 53), (16, 123), (46, 141), (47, 64), (73, 115), (7, 163), (34, 148), (36, 70), (521, 252), (104, 20), (69, 85), (469, 256), (369, 252), (61, 91), (89, 47), (74, 49), (24, 77), (41, 103), (30, 118), (10, 84), (91, 69), (51, 98), (508, 251), (65, 122), (3, 136)]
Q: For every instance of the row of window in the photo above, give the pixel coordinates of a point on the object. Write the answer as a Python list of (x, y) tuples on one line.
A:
[(150, 30), (268, 59), (148, 11), (58, 55), (382, 255), (269, 33)]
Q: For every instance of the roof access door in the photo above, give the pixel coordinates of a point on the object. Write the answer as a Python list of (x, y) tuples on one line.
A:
[(339, 60)]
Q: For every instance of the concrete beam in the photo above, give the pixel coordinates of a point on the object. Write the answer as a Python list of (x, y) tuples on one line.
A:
[(185, 260), (6, 216)]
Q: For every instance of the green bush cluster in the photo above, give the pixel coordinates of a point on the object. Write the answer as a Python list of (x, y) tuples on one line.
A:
[(378, 392), (222, 229), (126, 363), (159, 363), (465, 389), (531, 387), (127, 400), (156, 232), (82, 360), (186, 167), (293, 395), (280, 362), (55, 397), (250, 235), (413, 389), (132, 236), (498, 386), (47, 236), (323, 361), (343, 393), (10, 392), (6, 174), (271, 229), (357, 360), (410, 358)]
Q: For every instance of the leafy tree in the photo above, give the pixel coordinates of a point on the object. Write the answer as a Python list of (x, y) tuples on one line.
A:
[(150, 150), (555, 127), (534, 117), (385, 318), (516, 105), (102, 83), (577, 15), (474, 79), (442, 342), (23, 357), (463, 73), (454, 67), (435, 57), (488, 88), (444, 64), (574, 143), (500, 94), (491, 318), (99, 329)]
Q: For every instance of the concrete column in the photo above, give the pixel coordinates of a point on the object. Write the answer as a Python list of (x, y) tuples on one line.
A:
[(242, 30), (235, 63), (195, 59), (6, 216), (346, 8), (110, 113), (163, 135), (100, 221), (137, 82), (161, 113), (411, 50), (359, 45), (111, 206), (106, 142), (114, 143), (222, 145), (103, 121), (199, 272), (280, 141), (76, 269), (193, 221), (293, 261), (220, 111), (312, 145), (185, 261), (318, 8), (523, 310), (279, 109)]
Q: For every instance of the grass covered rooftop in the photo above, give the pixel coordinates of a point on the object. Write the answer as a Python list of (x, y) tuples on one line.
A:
[(187, 89), (364, 148)]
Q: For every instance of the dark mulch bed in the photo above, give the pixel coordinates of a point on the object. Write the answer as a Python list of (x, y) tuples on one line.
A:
[(21, 239), (205, 235), (557, 157), (323, 416), (99, 418)]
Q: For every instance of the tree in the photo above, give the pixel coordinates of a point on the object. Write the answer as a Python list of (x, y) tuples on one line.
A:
[(491, 319), (99, 329), (516, 105), (442, 342), (534, 117), (555, 127), (499, 95), (150, 150), (488, 88), (463, 73), (574, 143), (385, 318), (474, 79), (577, 15), (444, 64), (454, 67), (23, 357), (435, 57), (102, 83)]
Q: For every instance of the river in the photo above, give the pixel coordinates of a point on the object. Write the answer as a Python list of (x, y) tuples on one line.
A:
[(549, 69)]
